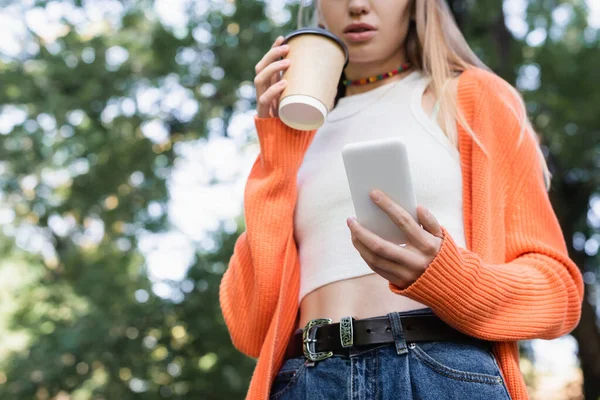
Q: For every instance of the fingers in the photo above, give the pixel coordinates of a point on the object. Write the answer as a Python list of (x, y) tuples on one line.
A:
[(416, 235), (266, 100), (429, 222), (277, 76), (389, 270), (274, 54), (274, 79), (277, 41), (382, 249), (263, 79), (268, 83), (267, 94)]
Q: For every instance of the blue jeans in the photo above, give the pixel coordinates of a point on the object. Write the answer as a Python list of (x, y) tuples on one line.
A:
[(433, 370)]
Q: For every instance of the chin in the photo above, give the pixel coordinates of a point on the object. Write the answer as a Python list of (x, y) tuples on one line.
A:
[(363, 58)]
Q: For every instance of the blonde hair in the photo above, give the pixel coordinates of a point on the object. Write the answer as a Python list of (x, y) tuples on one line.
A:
[(436, 46)]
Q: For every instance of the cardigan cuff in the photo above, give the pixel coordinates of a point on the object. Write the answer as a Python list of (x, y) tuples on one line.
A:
[(281, 145), (441, 279)]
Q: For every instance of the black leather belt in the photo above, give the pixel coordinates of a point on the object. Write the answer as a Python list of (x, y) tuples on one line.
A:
[(325, 339)]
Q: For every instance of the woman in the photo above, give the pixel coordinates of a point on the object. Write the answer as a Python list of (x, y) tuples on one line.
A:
[(486, 264)]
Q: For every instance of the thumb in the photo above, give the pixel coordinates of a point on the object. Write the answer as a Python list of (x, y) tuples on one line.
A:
[(429, 222)]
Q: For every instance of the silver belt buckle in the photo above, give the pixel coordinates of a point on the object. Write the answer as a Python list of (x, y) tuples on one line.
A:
[(308, 340)]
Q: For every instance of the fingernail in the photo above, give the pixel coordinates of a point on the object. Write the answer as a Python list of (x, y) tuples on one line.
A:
[(283, 82), (375, 195), (284, 47), (351, 221)]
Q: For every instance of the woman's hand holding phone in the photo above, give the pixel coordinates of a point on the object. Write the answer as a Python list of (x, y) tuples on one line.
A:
[(268, 82), (400, 265)]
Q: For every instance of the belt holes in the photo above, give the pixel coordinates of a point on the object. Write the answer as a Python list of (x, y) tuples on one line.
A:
[(368, 330), (388, 329)]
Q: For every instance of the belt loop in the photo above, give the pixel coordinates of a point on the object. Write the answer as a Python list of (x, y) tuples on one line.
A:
[(399, 340)]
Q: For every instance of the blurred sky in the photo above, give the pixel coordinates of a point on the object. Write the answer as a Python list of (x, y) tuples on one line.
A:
[(196, 208)]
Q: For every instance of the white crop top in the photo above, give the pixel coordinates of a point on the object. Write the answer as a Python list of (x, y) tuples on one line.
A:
[(324, 202)]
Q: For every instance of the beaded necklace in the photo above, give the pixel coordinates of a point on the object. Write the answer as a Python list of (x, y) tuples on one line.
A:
[(371, 79)]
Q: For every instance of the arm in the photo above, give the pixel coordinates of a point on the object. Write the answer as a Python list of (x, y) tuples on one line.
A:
[(250, 286), (537, 292)]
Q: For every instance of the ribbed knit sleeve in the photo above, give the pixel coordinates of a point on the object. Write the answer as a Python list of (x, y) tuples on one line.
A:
[(537, 295), (537, 292), (251, 284)]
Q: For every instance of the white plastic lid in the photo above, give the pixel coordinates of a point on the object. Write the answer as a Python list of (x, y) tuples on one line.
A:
[(302, 112)]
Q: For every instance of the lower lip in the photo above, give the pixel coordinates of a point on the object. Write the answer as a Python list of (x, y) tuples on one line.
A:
[(359, 36)]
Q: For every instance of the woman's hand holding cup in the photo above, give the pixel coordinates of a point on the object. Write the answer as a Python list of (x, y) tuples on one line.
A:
[(268, 82)]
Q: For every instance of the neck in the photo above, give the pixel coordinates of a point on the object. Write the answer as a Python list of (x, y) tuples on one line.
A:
[(363, 70)]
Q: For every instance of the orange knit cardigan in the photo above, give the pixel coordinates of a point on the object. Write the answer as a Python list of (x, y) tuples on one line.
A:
[(514, 281)]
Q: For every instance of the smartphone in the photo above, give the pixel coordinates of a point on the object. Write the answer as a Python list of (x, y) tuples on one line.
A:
[(380, 164)]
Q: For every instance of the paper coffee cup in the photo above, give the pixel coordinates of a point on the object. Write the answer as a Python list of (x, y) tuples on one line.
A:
[(318, 58)]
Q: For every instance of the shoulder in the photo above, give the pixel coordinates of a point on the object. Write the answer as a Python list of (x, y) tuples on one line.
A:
[(483, 79), (496, 113), (491, 103), (477, 87), (470, 84)]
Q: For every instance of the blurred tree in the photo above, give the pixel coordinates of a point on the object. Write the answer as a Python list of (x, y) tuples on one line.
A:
[(87, 162), (86, 177)]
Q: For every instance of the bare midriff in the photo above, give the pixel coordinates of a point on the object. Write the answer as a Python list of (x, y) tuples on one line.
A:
[(361, 297)]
